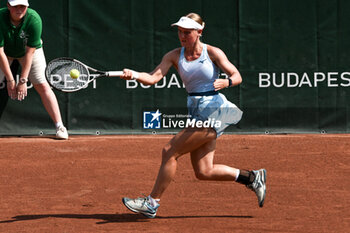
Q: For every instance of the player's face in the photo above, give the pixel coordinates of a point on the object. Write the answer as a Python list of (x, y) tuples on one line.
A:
[(188, 37), (17, 12)]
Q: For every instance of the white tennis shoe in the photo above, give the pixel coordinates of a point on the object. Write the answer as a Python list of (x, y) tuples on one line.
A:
[(61, 133), (259, 185), (141, 205)]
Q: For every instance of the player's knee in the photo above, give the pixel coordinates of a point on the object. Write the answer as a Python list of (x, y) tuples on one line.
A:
[(212, 134), (43, 89), (202, 174), (166, 153), (169, 153), (209, 133)]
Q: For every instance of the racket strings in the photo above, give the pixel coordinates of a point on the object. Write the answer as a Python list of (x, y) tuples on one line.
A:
[(58, 73)]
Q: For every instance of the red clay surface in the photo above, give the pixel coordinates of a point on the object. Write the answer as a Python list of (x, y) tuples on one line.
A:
[(48, 185)]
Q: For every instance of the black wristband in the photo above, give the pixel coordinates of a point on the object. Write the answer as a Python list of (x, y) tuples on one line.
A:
[(229, 82)]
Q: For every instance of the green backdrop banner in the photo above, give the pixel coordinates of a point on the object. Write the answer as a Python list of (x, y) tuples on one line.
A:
[(293, 57)]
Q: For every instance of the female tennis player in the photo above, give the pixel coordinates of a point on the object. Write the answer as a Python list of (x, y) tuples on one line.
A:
[(20, 39), (198, 65)]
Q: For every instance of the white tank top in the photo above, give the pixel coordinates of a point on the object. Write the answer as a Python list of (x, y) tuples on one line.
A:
[(198, 75)]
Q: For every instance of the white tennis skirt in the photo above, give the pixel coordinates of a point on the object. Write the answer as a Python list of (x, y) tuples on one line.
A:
[(213, 111)]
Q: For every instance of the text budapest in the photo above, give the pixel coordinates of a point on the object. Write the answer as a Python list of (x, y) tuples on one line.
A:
[(331, 79)]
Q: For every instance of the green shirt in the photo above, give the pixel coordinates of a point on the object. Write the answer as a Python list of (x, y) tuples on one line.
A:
[(15, 39)]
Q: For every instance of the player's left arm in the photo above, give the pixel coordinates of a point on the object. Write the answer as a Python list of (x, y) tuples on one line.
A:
[(221, 60)]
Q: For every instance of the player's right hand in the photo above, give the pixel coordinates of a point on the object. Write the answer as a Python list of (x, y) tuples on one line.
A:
[(127, 75), (11, 89), (130, 74)]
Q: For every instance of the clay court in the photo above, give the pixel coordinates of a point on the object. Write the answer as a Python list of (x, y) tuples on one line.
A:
[(49, 185)]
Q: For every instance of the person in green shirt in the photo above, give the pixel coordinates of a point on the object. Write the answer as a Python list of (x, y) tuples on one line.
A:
[(20, 39)]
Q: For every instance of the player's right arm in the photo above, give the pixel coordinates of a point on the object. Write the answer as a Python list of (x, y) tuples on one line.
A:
[(5, 67), (169, 59)]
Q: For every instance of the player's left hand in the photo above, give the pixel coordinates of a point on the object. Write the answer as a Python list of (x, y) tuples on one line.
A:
[(220, 84), (21, 91)]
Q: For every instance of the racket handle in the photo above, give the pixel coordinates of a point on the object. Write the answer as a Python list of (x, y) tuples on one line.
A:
[(114, 73), (135, 75)]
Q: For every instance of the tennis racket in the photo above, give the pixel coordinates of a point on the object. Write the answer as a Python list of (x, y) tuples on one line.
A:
[(57, 73)]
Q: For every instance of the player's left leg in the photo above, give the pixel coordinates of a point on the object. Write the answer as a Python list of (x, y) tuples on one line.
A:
[(48, 98), (50, 103), (203, 164)]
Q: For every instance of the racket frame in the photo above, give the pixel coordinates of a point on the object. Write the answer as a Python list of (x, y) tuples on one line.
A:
[(91, 77)]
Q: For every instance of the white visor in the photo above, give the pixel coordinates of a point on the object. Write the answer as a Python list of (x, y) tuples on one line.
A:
[(188, 23), (18, 2)]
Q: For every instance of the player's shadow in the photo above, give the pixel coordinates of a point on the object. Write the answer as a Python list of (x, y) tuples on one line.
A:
[(111, 218)]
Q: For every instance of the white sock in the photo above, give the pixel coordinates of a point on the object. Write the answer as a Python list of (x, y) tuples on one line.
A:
[(154, 202), (237, 174), (59, 124)]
